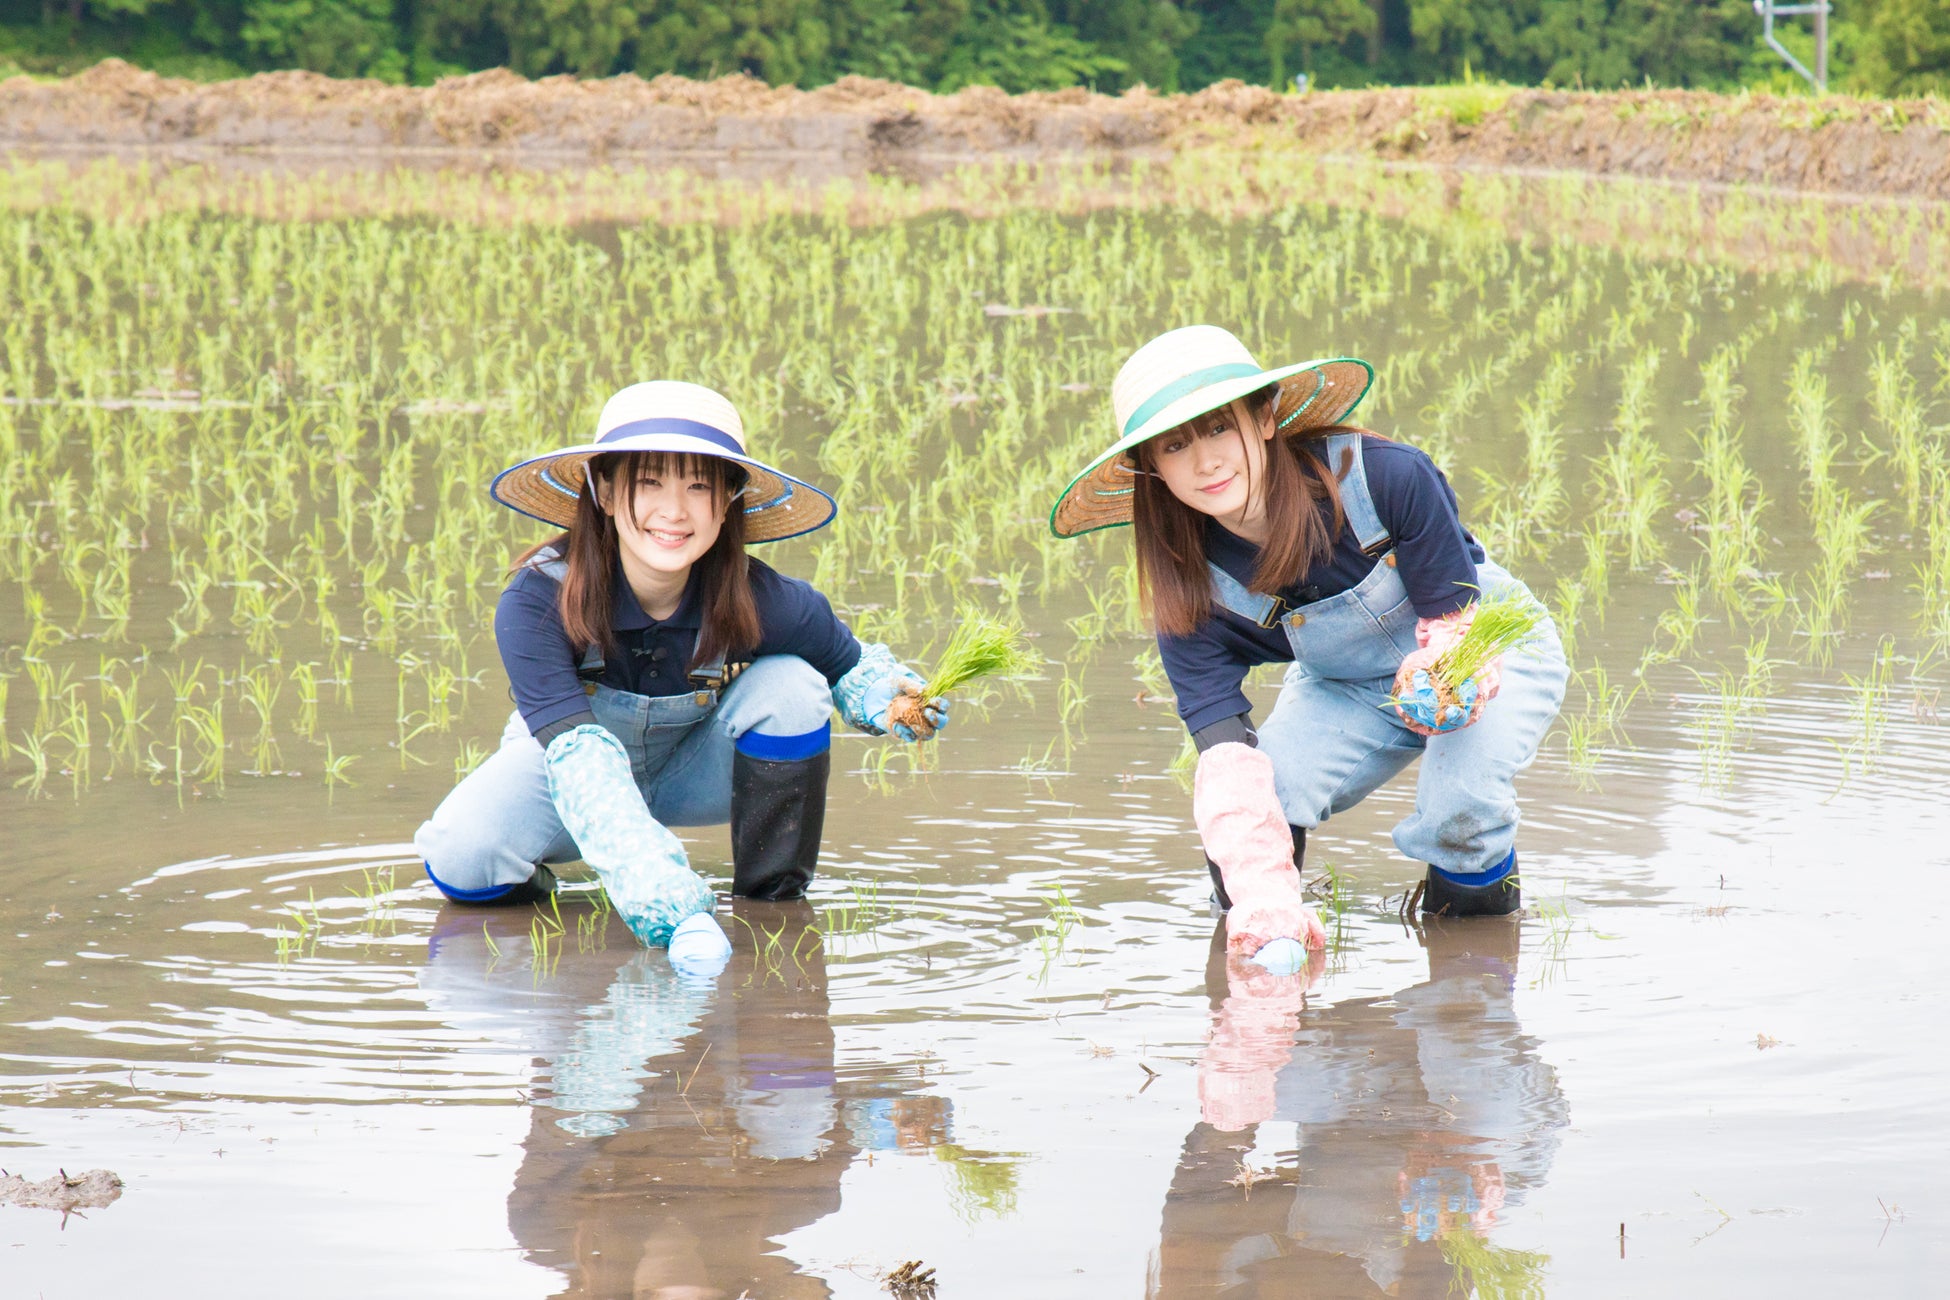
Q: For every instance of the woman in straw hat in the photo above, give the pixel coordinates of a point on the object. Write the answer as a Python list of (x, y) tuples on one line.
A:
[(661, 677), (1269, 530)]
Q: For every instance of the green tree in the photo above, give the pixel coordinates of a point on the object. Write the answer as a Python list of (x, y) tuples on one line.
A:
[(341, 38), (580, 36), (1018, 47), (1906, 47), (1309, 24), (1450, 35), (1144, 35)]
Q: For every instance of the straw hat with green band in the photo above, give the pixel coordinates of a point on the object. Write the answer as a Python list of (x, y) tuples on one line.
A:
[(1179, 376)]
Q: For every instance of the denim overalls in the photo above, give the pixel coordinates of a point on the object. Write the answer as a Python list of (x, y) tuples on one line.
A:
[(500, 821), (1333, 737)]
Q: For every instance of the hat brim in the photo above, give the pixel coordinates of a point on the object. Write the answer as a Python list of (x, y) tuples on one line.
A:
[(778, 506), (1100, 496)]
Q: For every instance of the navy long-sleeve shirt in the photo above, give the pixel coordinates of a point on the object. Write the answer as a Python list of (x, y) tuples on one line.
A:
[(653, 658), (1436, 558)]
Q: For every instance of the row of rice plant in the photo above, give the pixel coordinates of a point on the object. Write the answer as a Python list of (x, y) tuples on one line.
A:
[(242, 457)]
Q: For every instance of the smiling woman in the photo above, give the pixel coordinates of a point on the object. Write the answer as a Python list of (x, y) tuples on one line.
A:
[(662, 677), (1269, 530)]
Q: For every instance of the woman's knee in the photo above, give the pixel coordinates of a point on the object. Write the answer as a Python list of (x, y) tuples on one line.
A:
[(493, 828), (781, 697)]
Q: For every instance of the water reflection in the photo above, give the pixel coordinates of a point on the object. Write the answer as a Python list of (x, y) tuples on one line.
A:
[(1417, 1119), (679, 1128)]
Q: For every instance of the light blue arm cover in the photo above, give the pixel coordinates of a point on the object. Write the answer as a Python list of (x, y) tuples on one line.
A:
[(642, 865), (864, 694)]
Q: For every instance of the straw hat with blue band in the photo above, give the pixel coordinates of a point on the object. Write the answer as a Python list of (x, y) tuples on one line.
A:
[(1179, 376), (668, 416)]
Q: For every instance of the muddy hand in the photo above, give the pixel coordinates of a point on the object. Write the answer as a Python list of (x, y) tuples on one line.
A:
[(1485, 684), (912, 716)]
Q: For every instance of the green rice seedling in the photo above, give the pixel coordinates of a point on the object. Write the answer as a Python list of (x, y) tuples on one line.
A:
[(205, 727), (1336, 892), (1500, 624), (1070, 698), (1869, 707), (304, 677), (304, 943), (1595, 726), (260, 690), (979, 647), (336, 765), (125, 717), (1594, 580), (1059, 921), (1152, 682), (471, 756), (1720, 725), (35, 752), (546, 931), (375, 891)]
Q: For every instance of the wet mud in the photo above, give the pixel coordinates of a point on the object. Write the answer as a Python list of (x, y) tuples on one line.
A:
[(90, 1191), (860, 125)]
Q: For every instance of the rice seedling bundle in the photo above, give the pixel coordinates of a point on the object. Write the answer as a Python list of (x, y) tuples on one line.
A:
[(979, 647), (1440, 696)]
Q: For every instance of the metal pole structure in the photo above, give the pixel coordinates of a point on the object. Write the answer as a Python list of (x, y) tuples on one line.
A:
[(1821, 48), (1769, 10)]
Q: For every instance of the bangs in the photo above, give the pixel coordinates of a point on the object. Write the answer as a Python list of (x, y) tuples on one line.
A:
[(726, 477)]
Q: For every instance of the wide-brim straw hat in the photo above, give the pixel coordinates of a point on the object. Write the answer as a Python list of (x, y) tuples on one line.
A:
[(668, 416), (1179, 376)]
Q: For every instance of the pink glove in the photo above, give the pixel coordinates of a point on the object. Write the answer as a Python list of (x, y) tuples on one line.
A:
[(1245, 832), (1435, 636), (1252, 1037)]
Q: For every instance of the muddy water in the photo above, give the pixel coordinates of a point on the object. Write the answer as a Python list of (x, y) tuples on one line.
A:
[(998, 1040)]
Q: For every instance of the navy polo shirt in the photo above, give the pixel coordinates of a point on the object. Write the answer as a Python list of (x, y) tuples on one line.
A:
[(1436, 558), (652, 658)]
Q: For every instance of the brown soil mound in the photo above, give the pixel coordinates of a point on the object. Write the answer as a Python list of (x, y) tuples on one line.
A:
[(1835, 145)]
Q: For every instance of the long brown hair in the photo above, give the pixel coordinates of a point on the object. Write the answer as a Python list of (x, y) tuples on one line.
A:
[(728, 622), (1170, 541)]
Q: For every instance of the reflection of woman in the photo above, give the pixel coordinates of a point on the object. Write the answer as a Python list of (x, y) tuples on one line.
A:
[(680, 1127), (624, 638), (1267, 530), (1420, 1117)]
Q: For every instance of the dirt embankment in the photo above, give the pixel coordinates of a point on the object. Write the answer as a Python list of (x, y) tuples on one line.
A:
[(1833, 145)]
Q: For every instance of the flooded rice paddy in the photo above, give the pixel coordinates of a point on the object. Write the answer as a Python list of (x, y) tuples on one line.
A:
[(245, 646)]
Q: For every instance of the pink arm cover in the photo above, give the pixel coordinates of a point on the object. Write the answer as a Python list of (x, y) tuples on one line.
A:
[(1245, 833)]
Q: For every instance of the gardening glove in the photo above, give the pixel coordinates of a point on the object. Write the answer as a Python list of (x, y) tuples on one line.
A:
[(1414, 693), (643, 867), (1252, 1038), (1246, 834), (866, 695), (934, 713)]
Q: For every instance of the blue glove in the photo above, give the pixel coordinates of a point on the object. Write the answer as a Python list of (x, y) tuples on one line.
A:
[(880, 698), (643, 867), (865, 694)]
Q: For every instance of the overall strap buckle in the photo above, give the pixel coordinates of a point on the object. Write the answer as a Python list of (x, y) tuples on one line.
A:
[(709, 680)]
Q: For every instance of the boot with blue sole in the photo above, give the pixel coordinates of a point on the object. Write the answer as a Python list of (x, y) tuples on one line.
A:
[(1496, 892)]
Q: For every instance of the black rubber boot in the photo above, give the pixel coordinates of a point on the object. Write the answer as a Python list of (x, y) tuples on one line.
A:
[(1442, 896), (777, 813), (1221, 900), (535, 889)]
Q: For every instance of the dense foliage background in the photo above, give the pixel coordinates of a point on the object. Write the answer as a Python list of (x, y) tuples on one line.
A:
[(1879, 46)]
